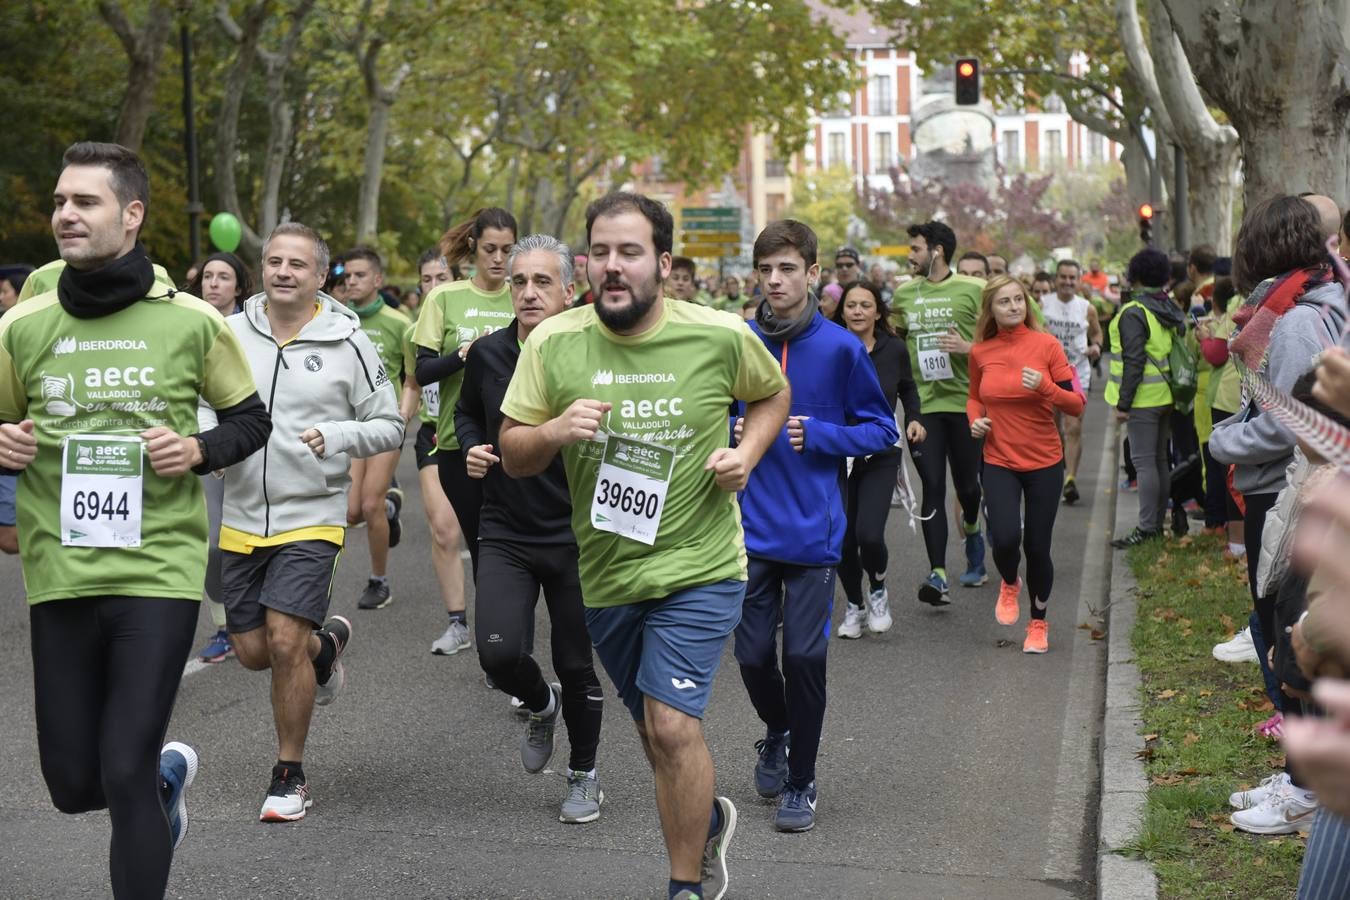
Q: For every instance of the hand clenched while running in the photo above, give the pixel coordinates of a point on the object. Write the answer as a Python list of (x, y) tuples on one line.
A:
[(479, 459), (18, 444), (170, 453), (313, 439), (579, 422), (728, 468), (980, 427)]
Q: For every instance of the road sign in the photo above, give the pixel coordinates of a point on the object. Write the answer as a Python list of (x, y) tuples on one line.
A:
[(891, 250), (710, 212), (712, 250), (711, 225), (711, 237)]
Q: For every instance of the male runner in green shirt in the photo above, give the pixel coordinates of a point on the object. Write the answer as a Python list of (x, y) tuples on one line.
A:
[(634, 391)]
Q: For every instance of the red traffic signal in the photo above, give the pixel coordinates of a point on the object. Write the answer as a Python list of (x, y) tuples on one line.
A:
[(1146, 223), (967, 81)]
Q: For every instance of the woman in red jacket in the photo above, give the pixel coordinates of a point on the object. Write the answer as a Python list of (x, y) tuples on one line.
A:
[(1019, 376)]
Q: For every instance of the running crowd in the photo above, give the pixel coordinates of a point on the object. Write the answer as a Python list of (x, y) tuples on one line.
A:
[(670, 475)]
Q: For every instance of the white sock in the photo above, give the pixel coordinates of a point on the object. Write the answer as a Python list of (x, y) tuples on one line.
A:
[(552, 705), (590, 774), (1237, 549)]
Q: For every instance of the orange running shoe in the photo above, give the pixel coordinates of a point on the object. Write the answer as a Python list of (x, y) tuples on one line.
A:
[(1007, 610), (1037, 632)]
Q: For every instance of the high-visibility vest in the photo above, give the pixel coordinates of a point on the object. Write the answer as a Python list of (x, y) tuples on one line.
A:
[(1153, 390)]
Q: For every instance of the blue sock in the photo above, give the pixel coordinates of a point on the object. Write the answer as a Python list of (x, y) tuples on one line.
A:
[(677, 886), (715, 824)]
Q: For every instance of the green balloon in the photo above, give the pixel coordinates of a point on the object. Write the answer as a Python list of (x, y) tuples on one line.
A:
[(226, 232)]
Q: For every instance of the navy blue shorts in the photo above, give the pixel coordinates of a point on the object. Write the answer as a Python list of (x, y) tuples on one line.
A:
[(667, 649), (9, 486)]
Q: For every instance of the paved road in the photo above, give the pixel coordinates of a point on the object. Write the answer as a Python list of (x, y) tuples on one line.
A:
[(952, 765)]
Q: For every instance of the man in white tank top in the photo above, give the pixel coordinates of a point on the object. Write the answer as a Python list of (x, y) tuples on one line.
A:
[(1072, 319)]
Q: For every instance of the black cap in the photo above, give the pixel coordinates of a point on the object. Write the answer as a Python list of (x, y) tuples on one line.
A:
[(849, 252)]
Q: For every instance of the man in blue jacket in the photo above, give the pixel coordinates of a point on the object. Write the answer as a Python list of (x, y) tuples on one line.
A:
[(793, 514)]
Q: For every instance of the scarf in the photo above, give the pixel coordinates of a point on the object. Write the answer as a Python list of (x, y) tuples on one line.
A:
[(784, 330), (109, 289), (370, 309), (1255, 320)]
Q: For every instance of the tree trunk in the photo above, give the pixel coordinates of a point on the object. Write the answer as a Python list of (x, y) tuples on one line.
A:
[(144, 47), (227, 124), (380, 99), (1286, 89)]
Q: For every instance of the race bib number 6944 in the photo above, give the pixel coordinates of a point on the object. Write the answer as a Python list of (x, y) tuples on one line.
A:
[(101, 483)]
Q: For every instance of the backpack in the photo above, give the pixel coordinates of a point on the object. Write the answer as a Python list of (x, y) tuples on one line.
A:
[(1182, 374)]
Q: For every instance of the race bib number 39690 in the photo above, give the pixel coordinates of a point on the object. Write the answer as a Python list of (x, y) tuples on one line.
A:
[(101, 484), (630, 488)]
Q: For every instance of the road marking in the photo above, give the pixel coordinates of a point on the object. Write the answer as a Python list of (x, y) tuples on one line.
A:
[(194, 666)]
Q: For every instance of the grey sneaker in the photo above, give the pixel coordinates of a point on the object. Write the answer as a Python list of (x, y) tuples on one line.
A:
[(455, 639), (536, 744), (715, 876), (584, 796), (376, 596)]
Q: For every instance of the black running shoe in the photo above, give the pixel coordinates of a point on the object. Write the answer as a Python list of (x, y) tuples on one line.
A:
[(1070, 492), (1135, 538)]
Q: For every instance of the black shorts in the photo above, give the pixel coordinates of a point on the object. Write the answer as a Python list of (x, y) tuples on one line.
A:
[(296, 579), (424, 445)]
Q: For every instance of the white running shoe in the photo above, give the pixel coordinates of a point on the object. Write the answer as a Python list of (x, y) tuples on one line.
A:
[(1257, 795), (878, 612), (1239, 648), (851, 627), (1285, 810)]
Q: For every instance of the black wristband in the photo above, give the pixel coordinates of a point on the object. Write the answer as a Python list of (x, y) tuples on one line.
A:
[(206, 457)]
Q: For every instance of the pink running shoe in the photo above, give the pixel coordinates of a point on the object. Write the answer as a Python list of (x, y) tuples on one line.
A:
[(1273, 727)]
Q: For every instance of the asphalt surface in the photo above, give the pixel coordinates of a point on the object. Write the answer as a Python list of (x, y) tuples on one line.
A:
[(952, 765)]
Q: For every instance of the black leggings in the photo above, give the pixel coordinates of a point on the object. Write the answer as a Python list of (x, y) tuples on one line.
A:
[(867, 502), (948, 440), (1220, 507), (1005, 493), (105, 674), (508, 587), (465, 495)]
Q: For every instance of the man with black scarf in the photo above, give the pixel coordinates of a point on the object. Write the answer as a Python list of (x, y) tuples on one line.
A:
[(99, 382)]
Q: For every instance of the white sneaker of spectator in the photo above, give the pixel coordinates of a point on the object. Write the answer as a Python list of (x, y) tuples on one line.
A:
[(1286, 809), (1238, 648)]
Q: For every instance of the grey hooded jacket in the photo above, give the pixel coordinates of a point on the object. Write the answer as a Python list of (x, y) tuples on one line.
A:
[(330, 378), (1255, 442)]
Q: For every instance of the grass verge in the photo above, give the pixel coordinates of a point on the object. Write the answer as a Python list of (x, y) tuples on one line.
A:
[(1199, 719)]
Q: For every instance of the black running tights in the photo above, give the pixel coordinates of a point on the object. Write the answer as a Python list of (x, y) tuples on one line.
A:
[(465, 495), (948, 440), (508, 587), (867, 503), (105, 674), (1021, 507)]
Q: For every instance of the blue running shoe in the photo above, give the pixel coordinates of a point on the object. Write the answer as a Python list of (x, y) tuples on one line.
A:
[(796, 808), (975, 574), (771, 768), (934, 590), (177, 769), (218, 649)]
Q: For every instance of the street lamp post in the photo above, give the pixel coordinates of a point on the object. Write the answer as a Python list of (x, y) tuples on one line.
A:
[(194, 207)]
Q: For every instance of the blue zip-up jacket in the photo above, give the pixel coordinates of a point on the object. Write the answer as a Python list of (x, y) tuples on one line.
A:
[(793, 507)]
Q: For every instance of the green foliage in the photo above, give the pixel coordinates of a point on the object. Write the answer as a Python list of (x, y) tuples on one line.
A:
[(531, 104), (827, 201), (1199, 717)]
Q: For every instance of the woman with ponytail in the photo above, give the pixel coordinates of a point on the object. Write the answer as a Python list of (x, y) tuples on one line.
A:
[(455, 315)]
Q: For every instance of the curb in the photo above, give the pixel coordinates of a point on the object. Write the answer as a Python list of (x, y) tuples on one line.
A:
[(1123, 784)]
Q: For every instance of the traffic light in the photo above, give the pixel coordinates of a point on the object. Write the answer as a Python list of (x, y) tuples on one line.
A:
[(1146, 223), (967, 81)]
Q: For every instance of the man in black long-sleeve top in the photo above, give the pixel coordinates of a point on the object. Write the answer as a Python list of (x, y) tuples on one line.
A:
[(526, 542)]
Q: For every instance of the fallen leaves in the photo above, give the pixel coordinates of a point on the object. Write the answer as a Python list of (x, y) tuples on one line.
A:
[(1165, 695), (1190, 739)]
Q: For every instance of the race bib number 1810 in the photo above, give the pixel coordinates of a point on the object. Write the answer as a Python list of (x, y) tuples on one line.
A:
[(101, 483), (630, 489)]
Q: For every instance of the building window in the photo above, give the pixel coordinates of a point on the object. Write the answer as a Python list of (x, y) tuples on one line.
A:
[(1012, 147), (1096, 146), (1054, 104), (836, 149), (884, 157), (774, 205), (883, 101), (1054, 148)]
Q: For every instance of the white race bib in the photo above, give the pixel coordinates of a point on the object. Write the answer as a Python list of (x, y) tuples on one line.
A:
[(934, 364), (101, 483), (630, 489), (431, 399)]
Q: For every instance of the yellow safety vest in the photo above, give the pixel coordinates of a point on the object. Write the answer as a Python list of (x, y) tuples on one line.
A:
[(1153, 390)]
